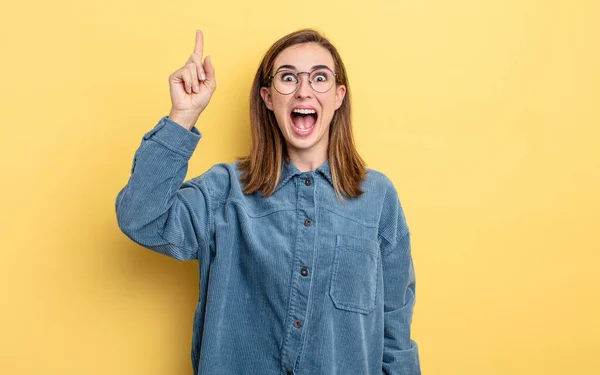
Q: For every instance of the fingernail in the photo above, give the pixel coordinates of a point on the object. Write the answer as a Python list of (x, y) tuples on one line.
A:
[(196, 88), (203, 76)]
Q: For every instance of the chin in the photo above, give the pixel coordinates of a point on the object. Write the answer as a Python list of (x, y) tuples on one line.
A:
[(305, 143)]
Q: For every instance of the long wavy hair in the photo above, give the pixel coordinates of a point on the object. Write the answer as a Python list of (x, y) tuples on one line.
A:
[(262, 167)]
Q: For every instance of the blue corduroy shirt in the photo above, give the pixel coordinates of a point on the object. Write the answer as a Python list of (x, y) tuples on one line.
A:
[(295, 283)]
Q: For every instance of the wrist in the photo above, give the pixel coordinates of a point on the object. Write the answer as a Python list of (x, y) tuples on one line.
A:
[(186, 120)]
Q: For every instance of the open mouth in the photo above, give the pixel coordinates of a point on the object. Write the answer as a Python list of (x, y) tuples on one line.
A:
[(304, 120)]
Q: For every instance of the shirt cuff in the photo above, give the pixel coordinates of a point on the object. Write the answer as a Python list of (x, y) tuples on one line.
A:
[(174, 136)]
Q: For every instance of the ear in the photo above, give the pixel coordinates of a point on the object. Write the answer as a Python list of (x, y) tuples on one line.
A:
[(266, 96), (340, 92)]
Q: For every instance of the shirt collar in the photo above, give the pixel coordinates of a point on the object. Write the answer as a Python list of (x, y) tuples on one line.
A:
[(290, 170)]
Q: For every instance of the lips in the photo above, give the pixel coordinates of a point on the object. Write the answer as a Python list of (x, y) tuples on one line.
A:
[(303, 119)]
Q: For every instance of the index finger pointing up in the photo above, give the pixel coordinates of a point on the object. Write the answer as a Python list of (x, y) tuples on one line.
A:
[(199, 42)]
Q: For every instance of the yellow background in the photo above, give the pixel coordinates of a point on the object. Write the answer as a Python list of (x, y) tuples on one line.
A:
[(485, 114)]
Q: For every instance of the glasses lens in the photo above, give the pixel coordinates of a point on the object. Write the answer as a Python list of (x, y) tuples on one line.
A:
[(285, 82), (322, 80)]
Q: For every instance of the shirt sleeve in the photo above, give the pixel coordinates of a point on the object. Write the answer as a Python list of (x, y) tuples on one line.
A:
[(400, 352), (157, 209)]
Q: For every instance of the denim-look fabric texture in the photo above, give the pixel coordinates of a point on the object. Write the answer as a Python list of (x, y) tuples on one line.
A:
[(295, 283)]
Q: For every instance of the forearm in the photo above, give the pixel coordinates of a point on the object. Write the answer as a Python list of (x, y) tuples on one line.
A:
[(151, 194), (400, 356)]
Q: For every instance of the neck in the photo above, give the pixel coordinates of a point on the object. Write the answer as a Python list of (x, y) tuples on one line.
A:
[(307, 160)]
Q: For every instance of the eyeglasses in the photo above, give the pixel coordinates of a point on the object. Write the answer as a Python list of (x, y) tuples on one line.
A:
[(286, 82)]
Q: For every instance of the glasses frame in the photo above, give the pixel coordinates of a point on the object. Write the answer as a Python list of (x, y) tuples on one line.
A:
[(297, 74)]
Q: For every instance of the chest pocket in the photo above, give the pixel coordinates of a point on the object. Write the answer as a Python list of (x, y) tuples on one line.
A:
[(354, 274)]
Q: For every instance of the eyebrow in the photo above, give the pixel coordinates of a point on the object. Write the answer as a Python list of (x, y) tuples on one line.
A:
[(291, 67)]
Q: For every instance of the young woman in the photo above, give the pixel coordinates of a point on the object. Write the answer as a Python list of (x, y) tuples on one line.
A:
[(304, 254)]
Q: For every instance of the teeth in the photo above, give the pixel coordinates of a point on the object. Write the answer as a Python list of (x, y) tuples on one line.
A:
[(304, 111)]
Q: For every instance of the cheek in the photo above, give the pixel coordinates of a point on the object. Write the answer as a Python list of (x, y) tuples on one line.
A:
[(280, 110), (280, 107), (331, 99), (328, 105), (279, 102)]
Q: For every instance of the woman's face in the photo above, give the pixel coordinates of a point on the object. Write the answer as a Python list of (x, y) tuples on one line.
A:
[(304, 132)]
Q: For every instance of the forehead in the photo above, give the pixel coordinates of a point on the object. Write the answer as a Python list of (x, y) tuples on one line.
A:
[(304, 56)]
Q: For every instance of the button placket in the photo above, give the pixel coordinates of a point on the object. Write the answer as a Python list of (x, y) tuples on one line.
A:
[(303, 258)]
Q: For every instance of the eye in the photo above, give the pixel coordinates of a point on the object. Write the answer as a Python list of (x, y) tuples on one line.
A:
[(320, 76), (288, 77)]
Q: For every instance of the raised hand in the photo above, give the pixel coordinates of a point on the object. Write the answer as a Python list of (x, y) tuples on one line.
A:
[(192, 86)]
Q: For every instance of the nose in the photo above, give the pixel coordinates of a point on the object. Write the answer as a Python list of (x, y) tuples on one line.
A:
[(304, 90)]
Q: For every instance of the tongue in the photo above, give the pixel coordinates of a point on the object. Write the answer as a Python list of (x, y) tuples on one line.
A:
[(303, 121)]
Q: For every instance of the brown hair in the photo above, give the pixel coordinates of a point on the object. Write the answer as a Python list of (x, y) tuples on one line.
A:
[(262, 167)]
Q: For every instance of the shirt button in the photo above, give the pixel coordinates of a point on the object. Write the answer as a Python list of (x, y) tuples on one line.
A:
[(307, 222), (304, 271), (308, 182), (298, 323)]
